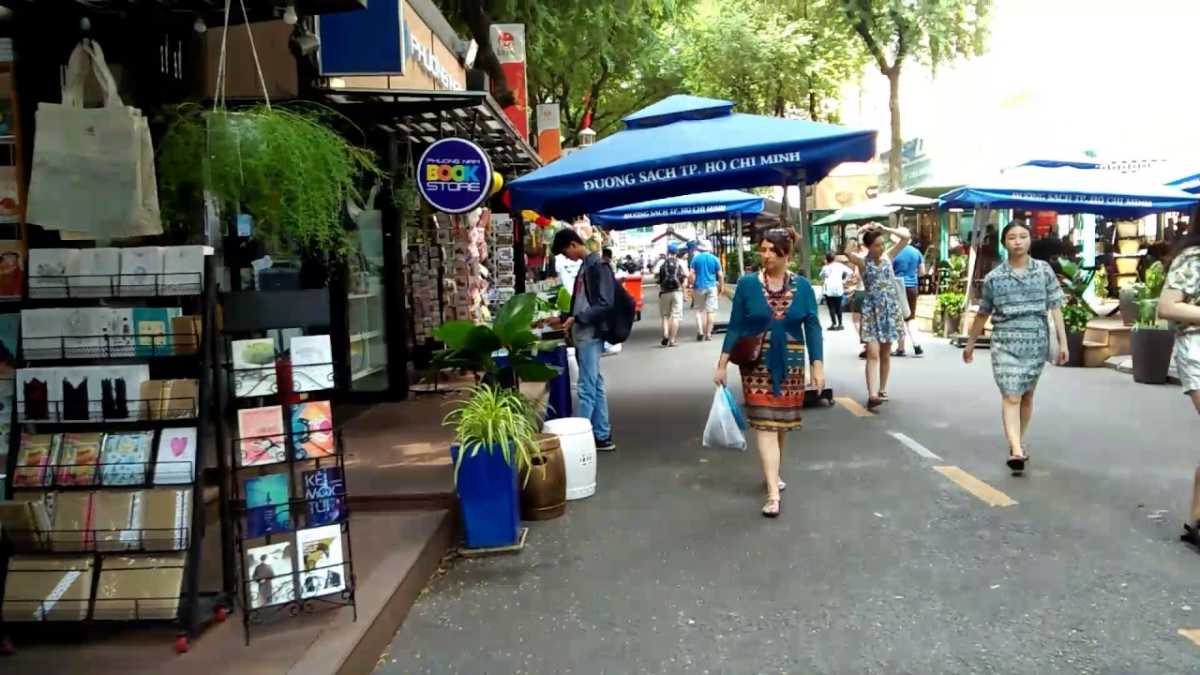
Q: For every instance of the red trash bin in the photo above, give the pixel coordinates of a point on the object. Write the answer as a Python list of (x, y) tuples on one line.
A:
[(633, 286)]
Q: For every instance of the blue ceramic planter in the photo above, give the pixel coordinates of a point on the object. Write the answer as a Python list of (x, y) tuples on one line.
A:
[(488, 499)]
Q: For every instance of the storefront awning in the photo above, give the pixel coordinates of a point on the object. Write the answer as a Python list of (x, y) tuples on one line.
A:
[(705, 206), (1068, 190), (683, 145), (422, 117)]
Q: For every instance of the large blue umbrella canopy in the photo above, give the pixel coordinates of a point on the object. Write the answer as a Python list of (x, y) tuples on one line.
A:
[(684, 145), (717, 205), (1069, 190)]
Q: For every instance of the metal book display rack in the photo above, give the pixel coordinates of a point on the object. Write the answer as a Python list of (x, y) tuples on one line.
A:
[(289, 513), (97, 548)]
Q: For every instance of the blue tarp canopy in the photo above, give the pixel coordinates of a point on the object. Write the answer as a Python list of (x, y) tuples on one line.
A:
[(1080, 161), (1069, 190), (1176, 175), (717, 205), (684, 145)]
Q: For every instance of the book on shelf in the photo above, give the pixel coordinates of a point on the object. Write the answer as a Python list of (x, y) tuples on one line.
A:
[(167, 518), (10, 327), (117, 519), (48, 271), (324, 496), (323, 568), (267, 507), (140, 586), (269, 575), (175, 462), (183, 270), (35, 456), (186, 333), (312, 430), (73, 518), (92, 272), (254, 367), (47, 588), (312, 363), (170, 399), (141, 269), (261, 435), (152, 330), (78, 458), (26, 523), (125, 457)]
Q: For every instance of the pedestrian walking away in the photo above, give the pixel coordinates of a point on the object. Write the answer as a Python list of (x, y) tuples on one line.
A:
[(880, 307), (707, 281), (909, 267), (591, 311), (671, 276), (1180, 302), (773, 327), (1024, 300), (834, 276)]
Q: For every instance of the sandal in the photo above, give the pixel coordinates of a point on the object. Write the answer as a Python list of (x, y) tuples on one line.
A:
[(1191, 533), (874, 402), (771, 508), (782, 485), (883, 395), (1017, 462)]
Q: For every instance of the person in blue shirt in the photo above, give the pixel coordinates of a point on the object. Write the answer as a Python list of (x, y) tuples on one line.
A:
[(909, 266), (707, 281)]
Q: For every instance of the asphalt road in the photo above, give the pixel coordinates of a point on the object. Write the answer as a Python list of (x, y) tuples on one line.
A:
[(879, 563)]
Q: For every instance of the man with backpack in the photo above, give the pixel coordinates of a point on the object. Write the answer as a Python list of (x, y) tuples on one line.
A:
[(672, 275), (601, 311)]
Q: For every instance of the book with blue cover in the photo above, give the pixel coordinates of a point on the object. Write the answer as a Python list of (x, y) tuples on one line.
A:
[(267, 509), (324, 492)]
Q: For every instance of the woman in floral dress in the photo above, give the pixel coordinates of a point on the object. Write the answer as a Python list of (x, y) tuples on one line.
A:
[(880, 307), (1024, 300), (782, 308), (1180, 302)]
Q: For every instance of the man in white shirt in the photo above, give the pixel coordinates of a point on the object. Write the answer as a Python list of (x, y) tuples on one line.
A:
[(834, 276)]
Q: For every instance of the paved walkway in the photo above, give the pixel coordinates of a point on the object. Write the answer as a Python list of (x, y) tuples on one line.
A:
[(881, 563)]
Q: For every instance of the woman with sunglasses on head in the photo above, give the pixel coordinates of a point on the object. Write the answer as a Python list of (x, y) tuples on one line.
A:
[(774, 317), (881, 314), (1024, 300)]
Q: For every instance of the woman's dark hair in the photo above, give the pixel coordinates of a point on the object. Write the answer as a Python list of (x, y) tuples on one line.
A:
[(1192, 238), (563, 240), (870, 236), (1015, 223), (828, 258), (783, 239)]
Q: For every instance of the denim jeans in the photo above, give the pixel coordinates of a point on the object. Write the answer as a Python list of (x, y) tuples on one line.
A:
[(593, 401)]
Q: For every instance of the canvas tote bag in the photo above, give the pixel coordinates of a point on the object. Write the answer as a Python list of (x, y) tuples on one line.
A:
[(93, 168)]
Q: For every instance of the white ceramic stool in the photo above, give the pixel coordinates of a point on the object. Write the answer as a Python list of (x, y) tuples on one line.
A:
[(579, 454)]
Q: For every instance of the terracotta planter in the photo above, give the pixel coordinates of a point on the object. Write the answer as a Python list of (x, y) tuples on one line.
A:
[(1075, 350), (951, 325), (544, 496), (1152, 354)]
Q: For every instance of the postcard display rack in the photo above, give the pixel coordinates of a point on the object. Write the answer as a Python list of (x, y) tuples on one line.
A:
[(290, 514), (105, 521)]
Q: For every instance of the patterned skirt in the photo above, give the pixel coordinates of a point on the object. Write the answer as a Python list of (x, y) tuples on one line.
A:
[(1018, 358), (764, 410)]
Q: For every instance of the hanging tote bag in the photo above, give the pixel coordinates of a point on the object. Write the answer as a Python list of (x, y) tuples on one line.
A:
[(93, 168)]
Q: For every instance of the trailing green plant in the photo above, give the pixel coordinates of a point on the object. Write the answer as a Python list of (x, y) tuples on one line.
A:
[(494, 419), (471, 346), (951, 303), (285, 167), (1076, 317)]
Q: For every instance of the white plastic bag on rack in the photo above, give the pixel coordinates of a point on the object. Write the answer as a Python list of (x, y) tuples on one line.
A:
[(722, 429)]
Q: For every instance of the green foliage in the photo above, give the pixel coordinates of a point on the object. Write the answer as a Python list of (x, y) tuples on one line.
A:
[(286, 167), (1148, 291), (1075, 282), (957, 274), (1100, 283), (469, 346), (493, 419), (563, 300), (1076, 316), (951, 303)]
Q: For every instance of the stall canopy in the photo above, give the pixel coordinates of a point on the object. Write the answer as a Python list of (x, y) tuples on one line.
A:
[(859, 213), (684, 145), (718, 205), (1073, 161), (1070, 190)]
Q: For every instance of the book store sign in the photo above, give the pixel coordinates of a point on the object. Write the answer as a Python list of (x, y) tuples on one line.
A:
[(454, 175)]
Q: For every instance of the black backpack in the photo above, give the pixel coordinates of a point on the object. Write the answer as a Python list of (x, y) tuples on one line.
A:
[(668, 276), (620, 321)]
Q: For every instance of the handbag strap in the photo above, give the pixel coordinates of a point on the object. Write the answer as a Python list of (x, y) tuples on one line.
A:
[(88, 57), (219, 94)]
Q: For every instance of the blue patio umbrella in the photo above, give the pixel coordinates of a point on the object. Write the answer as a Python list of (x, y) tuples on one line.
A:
[(1070, 190), (717, 205), (684, 145)]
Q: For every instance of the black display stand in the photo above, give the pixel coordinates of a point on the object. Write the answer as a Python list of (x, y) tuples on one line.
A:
[(193, 609), (251, 315)]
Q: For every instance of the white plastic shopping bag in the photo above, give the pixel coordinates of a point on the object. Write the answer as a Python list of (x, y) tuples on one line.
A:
[(722, 429)]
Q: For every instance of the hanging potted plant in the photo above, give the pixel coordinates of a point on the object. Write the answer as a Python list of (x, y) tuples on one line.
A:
[(1152, 341)]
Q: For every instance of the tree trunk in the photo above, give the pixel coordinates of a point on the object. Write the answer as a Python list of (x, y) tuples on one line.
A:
[(480, 25), (894, 159)]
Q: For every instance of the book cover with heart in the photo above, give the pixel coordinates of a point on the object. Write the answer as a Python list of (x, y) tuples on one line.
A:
[(312, 430), (175, 462)]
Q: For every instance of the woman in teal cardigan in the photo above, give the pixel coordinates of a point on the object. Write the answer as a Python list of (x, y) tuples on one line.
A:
[(782, 308)]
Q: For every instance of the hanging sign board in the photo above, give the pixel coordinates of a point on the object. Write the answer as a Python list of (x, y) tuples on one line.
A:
[(454, 175), (366, 42)]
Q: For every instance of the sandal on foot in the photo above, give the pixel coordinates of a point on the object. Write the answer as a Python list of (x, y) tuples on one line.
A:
[(1191, 533), (883, 395), (1017, 463), (771, 508), (874, 402), (782, 485)]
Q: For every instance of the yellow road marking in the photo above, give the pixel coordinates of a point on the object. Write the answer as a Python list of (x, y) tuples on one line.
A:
[(854, 407), (1192, 634), (971, 484)]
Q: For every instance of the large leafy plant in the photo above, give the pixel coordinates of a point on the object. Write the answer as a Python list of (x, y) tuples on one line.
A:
[(1148, 291), (493, 419), (471, 346), (1075, 282), (951, 303), (285, 167)]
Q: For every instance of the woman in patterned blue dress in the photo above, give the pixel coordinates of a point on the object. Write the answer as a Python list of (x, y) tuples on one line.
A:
[(1023, 297), (880, 307)]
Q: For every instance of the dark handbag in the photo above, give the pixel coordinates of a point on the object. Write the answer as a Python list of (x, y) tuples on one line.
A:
[(746, 351)]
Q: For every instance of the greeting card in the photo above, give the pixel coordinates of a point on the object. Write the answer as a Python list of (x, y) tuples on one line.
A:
[(312, 430), (254, 367), (78, 458), (141, 270), (312, 363), (92, 272), (260, 431), (35, 457), (125, 457), (175, 461), (48, 272), (322, 566), (183, 270), (270, 573)]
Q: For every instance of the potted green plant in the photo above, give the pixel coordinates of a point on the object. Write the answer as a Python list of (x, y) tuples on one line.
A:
[(1152, 341), (496, 440), (1076, 316), (950, 305), (506, 352)]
